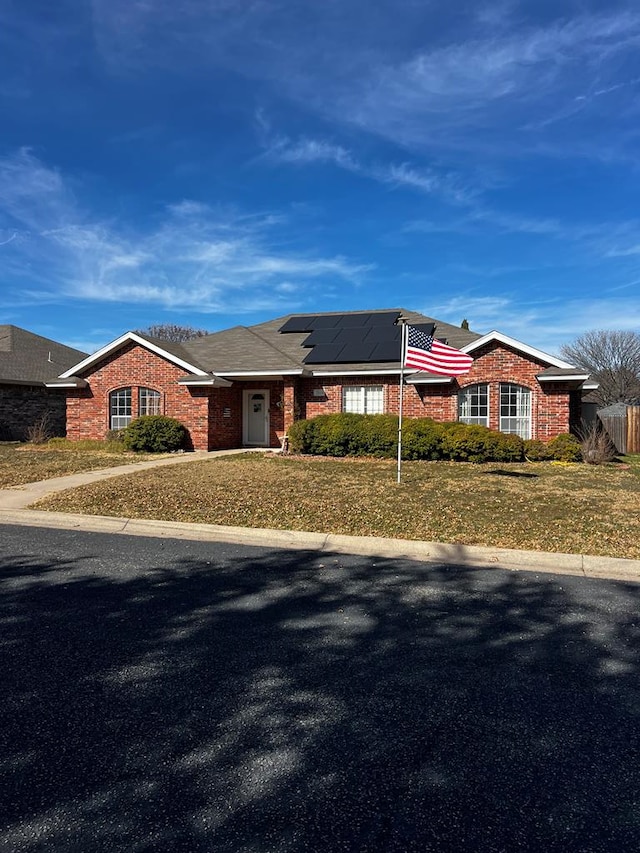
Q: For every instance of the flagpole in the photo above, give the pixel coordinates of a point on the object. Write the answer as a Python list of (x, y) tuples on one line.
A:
[(403, 348)]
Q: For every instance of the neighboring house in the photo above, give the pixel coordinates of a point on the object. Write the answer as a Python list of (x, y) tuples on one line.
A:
[(245, 386), (27, 362)]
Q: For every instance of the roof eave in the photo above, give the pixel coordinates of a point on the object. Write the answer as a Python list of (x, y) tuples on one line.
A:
[(538, 354), (572, 377), (68, 382), (273, 374), (429, 379), (209, 380)]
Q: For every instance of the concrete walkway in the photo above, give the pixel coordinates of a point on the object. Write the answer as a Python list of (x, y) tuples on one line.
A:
[(15, 500)]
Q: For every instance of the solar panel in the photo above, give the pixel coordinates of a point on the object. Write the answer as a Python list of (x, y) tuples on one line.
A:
[(325, 321), (354, 321), (365, 337), (356, 351), (383, 318), (323, 354), (427, 328), (385, 333), (298, 324), (386, 351), (321, 336)]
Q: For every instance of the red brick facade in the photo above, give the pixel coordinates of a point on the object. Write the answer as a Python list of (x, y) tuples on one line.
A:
[(214, 416)]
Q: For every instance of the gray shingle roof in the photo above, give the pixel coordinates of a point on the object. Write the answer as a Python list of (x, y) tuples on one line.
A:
[(262, 347), (562, 372), (29, 359)]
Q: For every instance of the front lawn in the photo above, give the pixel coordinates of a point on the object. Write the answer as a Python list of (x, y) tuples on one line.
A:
[(574, 508), (29, 463)]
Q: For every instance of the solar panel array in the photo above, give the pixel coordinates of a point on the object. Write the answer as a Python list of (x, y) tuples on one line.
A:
[(350, 338)]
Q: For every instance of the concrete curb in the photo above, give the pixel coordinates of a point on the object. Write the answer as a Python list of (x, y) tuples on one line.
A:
[(438, 552)]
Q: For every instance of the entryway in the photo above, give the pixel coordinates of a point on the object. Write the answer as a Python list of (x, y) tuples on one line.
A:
[(255, 426)]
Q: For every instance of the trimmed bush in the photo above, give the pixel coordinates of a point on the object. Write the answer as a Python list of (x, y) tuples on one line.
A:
[(475, 443), (299, 436), (537, 451), (422, 439), (377, 435), (562, 448), (154, 434), (565, 448)]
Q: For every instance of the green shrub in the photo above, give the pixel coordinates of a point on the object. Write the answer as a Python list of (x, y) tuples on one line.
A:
[(562, 448), (154, 434), (475, 443), (374, 435), (377, 435), (422, 439), (537, 451), (565, 448), (299, 436)]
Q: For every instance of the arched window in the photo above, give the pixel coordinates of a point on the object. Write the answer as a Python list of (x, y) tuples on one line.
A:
[(515, 410), (473, 405), (148, 401), (120, 408)]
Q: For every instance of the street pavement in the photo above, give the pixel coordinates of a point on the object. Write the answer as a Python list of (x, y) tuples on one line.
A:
[(163, 694)]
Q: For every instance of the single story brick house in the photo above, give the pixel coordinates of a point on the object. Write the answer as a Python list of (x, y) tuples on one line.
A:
[(246, 385), (27, 362)]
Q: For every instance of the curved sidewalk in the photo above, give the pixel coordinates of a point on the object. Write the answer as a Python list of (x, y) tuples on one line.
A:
[(15, 500)]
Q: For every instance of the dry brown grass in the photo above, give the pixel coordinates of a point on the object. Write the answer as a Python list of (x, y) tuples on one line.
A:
[(541, 506), (28, 463)]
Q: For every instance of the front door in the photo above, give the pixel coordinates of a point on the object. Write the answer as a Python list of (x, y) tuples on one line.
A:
[(256, 418)]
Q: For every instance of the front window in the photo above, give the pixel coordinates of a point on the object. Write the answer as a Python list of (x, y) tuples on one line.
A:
[(515, 410), (148, 401), (473, 405), (363, 399), (120, 408)]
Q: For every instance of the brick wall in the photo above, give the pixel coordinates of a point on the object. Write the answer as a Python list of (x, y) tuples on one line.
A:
[(554, 407), (136, 367), (214, 416), (23, 406)]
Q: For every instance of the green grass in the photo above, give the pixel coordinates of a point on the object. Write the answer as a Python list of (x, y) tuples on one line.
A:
[(572, 508), (28, 463)]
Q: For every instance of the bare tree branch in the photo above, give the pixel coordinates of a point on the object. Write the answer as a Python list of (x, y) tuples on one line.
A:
[(173, 332), (613, 359)]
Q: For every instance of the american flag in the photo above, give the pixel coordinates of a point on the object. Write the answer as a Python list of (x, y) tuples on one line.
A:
[(424, 352)]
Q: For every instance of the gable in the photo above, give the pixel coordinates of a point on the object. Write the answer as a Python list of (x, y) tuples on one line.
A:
[(126, 342)]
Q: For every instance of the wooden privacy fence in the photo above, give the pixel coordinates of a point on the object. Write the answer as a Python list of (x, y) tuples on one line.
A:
[(622, 423)]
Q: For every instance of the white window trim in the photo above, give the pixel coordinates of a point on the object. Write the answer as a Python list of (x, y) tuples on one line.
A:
[(527, 419), (363, 389), (475, 420), (121, 417)]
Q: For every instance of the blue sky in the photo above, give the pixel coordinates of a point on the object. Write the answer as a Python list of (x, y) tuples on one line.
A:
[(214, 162)]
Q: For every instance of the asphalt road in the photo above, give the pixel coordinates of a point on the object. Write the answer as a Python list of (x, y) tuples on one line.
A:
[(163, 695)]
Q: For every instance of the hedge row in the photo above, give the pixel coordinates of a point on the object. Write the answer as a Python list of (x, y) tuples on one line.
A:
[(422, 438)]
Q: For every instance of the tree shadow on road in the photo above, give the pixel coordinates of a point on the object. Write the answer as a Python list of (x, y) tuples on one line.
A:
[(289, 701)]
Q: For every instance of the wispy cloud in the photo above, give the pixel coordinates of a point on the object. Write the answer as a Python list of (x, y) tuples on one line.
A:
[(445, 184), (547, 324), (439, 95), (196, 256)]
